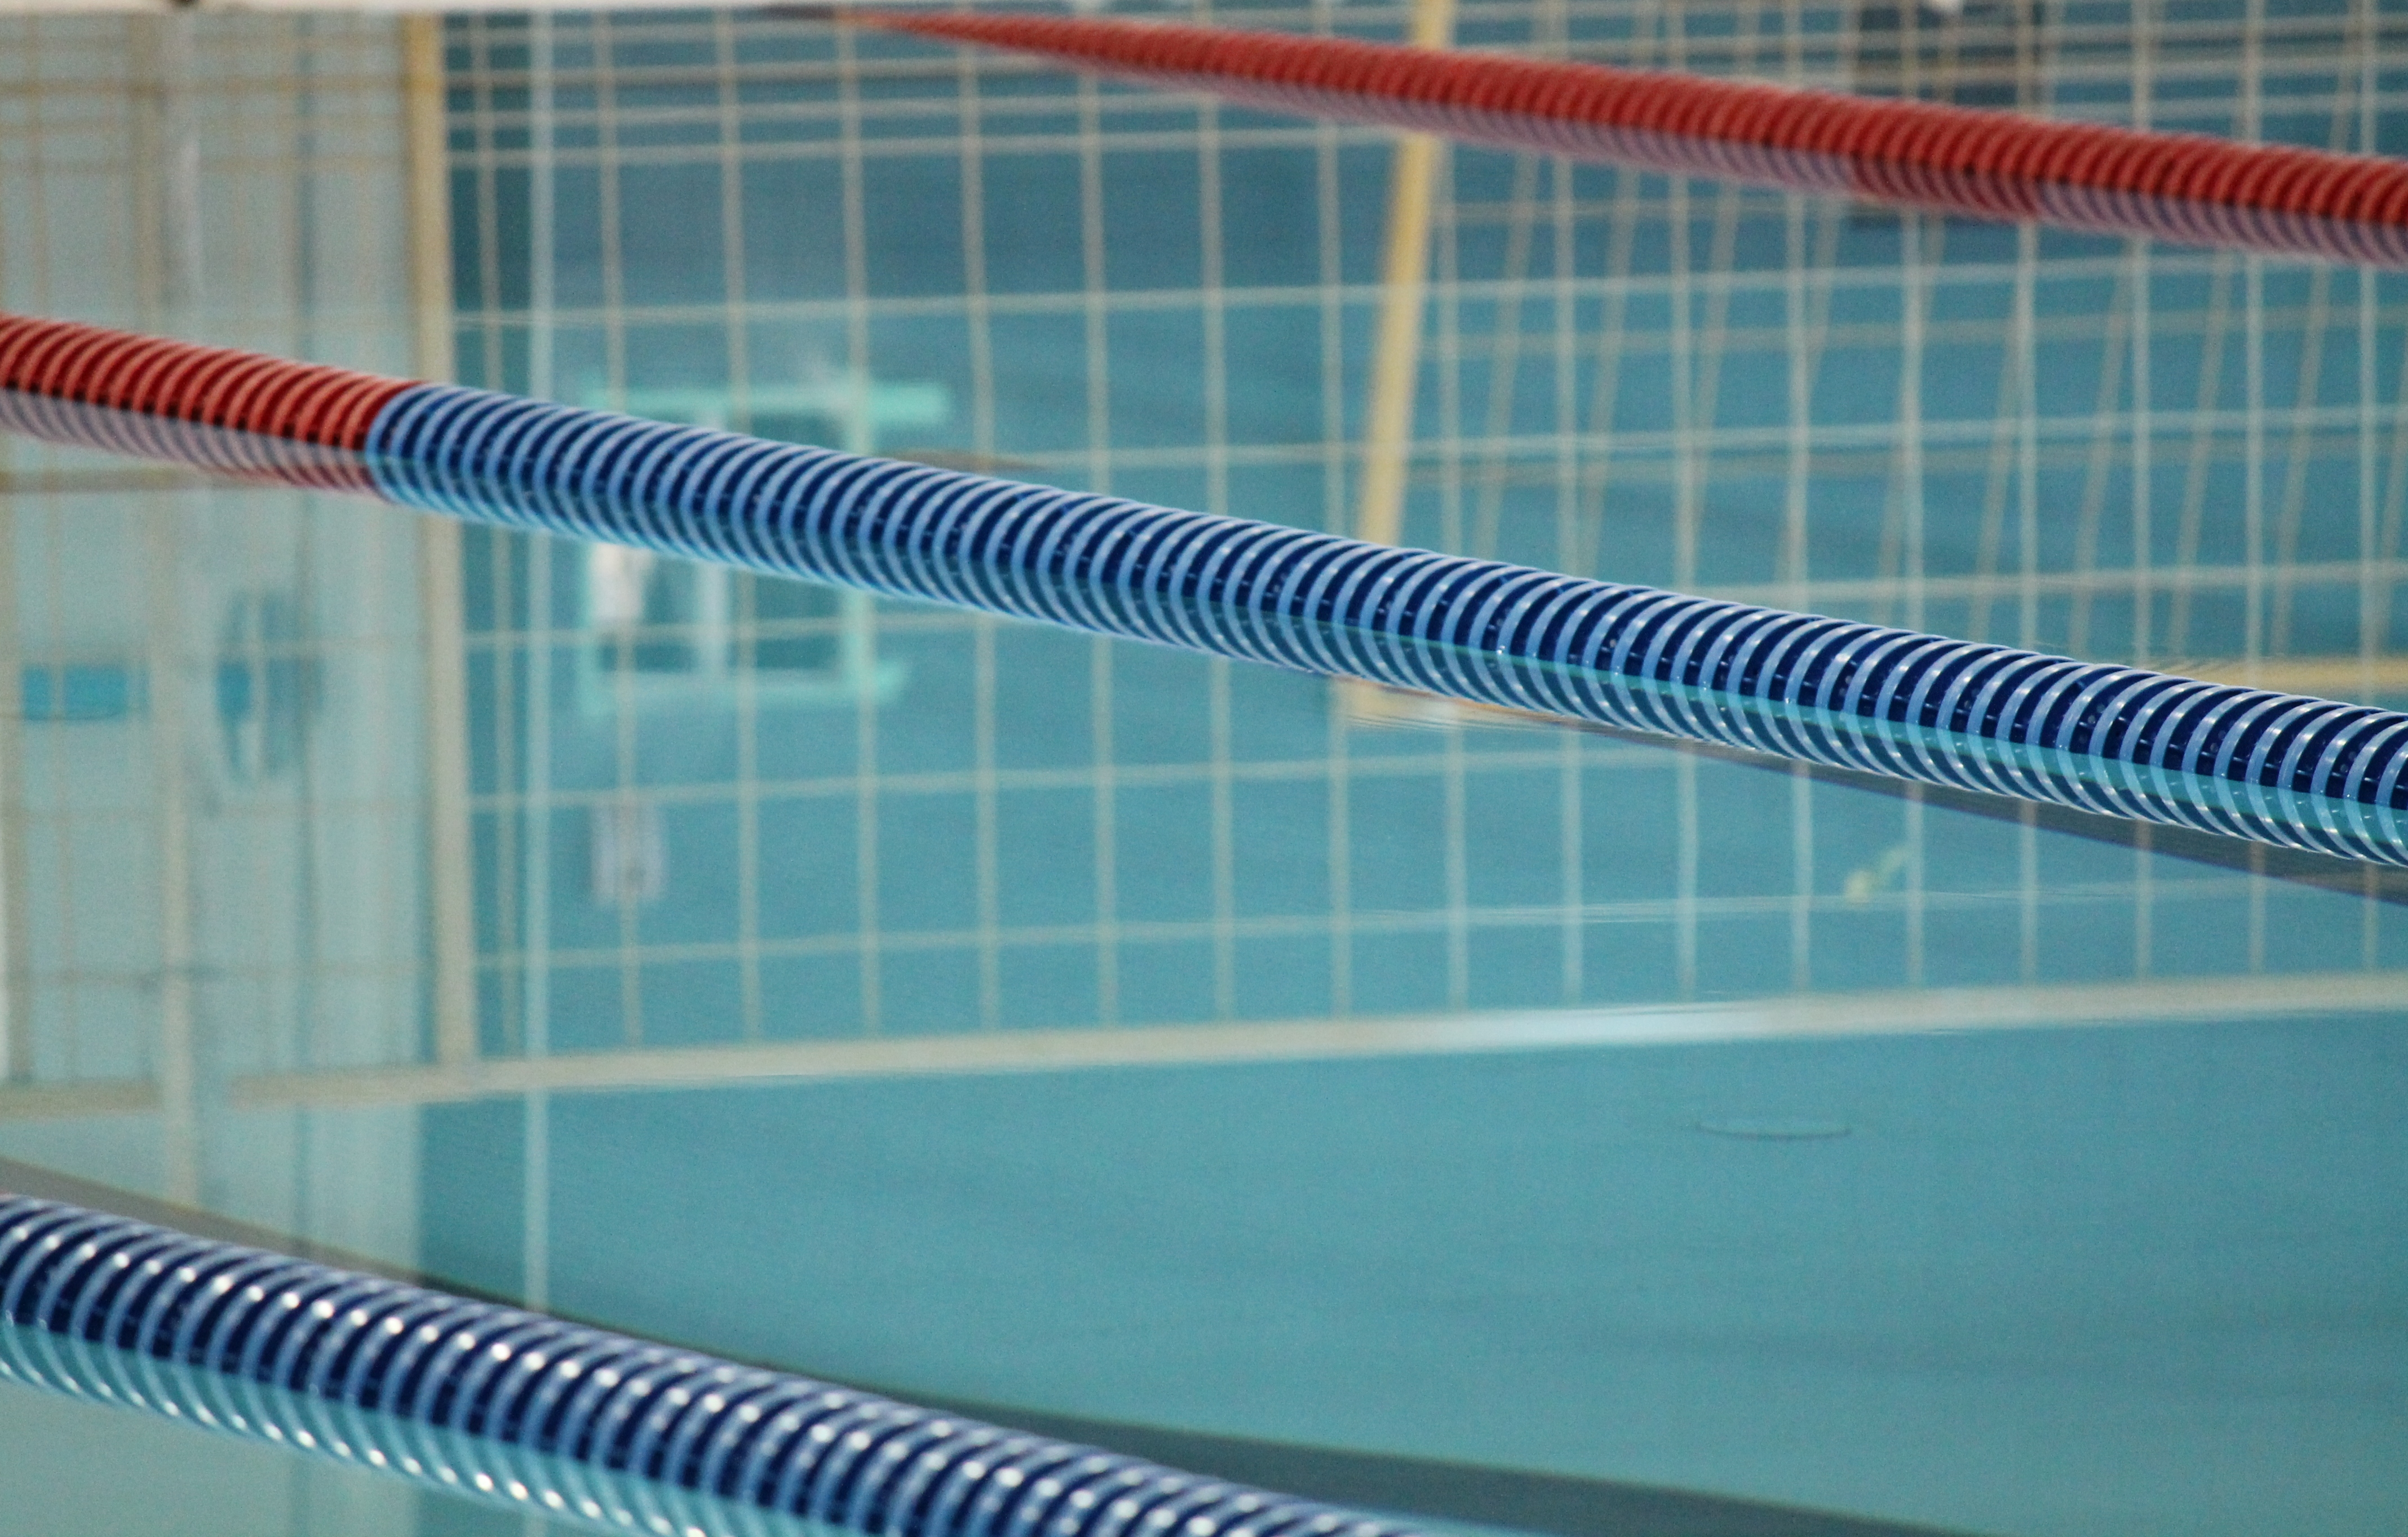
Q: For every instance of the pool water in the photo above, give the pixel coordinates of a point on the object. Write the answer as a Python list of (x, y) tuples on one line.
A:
[(1507, 1125)]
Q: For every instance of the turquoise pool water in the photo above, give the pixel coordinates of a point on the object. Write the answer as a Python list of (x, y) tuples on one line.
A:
[(1508, 1125)]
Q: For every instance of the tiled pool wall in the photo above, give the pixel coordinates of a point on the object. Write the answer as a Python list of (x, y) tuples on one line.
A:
[(2006, 434)]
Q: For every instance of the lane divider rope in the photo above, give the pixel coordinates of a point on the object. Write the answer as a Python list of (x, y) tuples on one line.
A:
[(1992, 164), (2246, 763), (603, 1429)]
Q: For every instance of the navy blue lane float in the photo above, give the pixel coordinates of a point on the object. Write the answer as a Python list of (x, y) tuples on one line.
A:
[(2274, 767), (585, 1426)]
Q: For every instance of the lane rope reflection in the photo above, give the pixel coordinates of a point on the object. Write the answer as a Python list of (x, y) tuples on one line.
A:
[(2276, 768)]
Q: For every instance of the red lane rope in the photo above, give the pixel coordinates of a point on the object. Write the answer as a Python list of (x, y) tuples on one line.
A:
[(243, 414), (1992, 164), (184, 382)]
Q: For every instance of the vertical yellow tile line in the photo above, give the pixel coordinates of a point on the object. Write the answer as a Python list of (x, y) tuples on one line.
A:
[(1396, 357), (1396, 348), (442, 613), (165, 161), (16, 1021), (165, 666)]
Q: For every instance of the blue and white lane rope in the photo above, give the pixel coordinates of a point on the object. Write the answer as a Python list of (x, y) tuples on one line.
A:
[(2277, 769), (574, 1422), (2273, 767)]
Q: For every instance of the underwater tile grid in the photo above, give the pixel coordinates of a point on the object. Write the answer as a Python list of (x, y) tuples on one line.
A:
[(1778, 1200)]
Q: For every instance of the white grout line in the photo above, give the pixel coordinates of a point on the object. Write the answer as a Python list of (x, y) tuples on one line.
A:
[(1824, 1016)]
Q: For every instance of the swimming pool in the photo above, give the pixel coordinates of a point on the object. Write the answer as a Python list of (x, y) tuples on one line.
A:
[(1316, 1087)]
